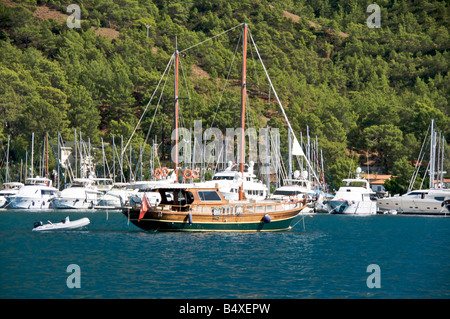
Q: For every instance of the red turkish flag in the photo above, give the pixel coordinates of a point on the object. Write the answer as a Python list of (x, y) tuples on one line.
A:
[(144, 207)]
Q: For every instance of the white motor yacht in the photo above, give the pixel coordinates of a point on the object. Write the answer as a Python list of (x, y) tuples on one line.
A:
[(139, 188), (36, 194), (116, 197), (81, 194), (229, 181), (354, 197), (424, 201), (9, 189), (420, 202), (296, 188)]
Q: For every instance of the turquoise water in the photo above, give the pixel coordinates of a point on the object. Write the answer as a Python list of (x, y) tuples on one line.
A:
[(327, 259)]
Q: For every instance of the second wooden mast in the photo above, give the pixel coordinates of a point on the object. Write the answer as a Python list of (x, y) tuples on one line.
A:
[(243, 97)]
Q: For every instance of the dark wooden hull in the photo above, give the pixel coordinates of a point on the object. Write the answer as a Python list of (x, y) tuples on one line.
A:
[(180, 221)]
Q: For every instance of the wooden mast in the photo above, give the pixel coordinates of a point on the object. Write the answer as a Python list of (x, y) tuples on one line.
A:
[(243, 96), (177, 57)]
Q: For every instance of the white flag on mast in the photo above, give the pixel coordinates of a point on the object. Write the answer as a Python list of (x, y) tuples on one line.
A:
[(296, 148)]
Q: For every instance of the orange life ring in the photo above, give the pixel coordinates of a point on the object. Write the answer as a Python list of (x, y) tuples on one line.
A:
[(195, 174), (187, 173), (158, 173), (164, 171), (341, 200)]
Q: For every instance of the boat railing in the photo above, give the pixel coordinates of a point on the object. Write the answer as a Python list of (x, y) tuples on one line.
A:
[(231, 209)]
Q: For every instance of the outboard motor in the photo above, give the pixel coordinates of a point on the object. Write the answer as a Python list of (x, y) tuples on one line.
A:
[(37, 224)]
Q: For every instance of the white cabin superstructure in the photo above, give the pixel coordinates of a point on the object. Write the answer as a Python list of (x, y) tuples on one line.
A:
[(296, 188), (230, 179)]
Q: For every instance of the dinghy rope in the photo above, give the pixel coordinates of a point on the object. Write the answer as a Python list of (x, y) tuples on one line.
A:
[(300, 220)]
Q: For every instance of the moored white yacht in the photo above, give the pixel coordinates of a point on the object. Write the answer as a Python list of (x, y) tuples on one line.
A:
[(421, 202), (36, 194), (230, 179), (81, 194), (136, 190), (9, 189), (296, 188), (354, 197), (116, 197), (424, 201)]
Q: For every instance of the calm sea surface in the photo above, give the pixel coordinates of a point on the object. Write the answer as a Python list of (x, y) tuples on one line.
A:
[(327, 259)]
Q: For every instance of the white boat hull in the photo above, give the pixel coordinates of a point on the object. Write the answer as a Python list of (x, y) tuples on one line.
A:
[(30, 203), (110, 202), (73, 203), (352, 207), (419, 207)]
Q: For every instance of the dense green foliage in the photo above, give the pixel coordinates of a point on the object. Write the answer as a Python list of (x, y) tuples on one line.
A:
[(360, 90)]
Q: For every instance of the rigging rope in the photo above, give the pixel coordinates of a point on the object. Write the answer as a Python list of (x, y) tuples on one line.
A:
[(215, 36), (276, 96), (148, 104), (167, 67), (157, 104)]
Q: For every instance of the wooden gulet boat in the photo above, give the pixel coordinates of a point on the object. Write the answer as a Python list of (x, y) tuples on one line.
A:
[(185, 207)]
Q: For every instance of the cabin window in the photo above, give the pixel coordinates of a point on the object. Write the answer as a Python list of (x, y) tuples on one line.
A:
[(209, 196), (441, 199), (356, 184), (285, 193), (218, 178), (417, 194)]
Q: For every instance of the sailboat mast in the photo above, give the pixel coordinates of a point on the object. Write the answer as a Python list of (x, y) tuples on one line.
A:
[(32, 154), (46, 160), (7, 164), (177, 57), (290, 153), (57, 160), (75, 152), (442, 161), (114, 160), (432, 154), (243, 96)]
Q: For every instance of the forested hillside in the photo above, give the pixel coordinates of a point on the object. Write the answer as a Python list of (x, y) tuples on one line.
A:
[(360, 90)]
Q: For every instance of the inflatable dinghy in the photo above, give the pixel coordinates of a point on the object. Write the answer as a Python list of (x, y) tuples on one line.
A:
[(65, 224)]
